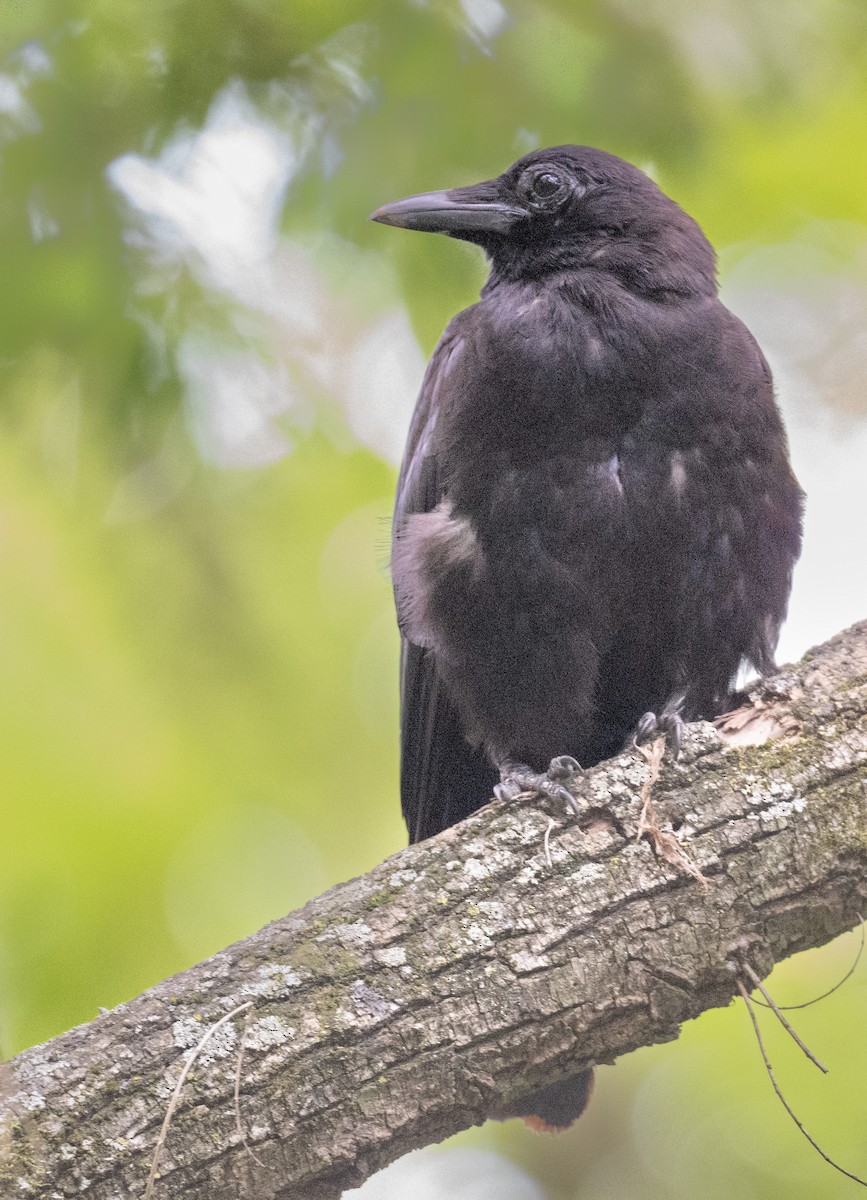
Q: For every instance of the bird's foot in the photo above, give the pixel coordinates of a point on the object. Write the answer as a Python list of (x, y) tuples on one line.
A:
[(668, 722), (517, 779)]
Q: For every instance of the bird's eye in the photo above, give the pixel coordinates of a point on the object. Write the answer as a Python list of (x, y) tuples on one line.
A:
[(546, 184), (546, 189)]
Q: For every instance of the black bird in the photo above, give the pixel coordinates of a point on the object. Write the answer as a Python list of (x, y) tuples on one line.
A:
[(596, 520)]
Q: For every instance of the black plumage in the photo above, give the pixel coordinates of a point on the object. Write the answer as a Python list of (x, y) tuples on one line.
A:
[(596, 518), (596, 521)]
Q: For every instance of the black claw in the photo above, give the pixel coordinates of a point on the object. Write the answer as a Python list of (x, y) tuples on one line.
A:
[(669, 722), (557, 792), (564, 766), (646, 727), (673, 726)]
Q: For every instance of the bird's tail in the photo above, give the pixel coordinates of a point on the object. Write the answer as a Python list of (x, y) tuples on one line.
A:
[(554, 1107)]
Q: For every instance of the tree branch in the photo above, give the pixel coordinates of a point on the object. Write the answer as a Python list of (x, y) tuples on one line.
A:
[(405, 1005)]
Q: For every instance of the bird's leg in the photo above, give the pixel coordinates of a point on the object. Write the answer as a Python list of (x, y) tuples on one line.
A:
[(668, 721), (516, 778)]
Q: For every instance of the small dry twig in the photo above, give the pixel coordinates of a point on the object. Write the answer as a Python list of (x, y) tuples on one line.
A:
[(176, 1094), (653, 756), (771, 1004), (547, 842), (663, 840), (849, 1175), (830, 991)]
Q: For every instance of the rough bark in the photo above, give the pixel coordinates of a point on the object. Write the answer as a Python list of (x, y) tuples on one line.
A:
[(410, 1003)]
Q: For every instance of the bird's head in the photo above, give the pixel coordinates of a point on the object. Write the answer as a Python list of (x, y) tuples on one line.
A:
[(570, 207)]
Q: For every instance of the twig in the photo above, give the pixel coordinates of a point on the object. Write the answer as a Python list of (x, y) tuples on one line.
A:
[(176, 1094), (653, 757), (771, 1003), (547, 842), (830, 991), (849, 1175), (663, 841)]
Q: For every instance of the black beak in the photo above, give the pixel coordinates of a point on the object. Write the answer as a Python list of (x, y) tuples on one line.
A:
[(481, 208)]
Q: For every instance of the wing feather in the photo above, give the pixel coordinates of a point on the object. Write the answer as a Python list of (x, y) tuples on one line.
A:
[(442, 778)]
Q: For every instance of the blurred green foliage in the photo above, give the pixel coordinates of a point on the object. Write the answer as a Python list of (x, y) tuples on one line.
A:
[(198, 710)]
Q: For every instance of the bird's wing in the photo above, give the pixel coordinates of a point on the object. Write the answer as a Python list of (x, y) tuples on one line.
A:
[(442, 778)]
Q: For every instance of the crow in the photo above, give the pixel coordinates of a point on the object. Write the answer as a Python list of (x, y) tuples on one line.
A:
[(596, 520)]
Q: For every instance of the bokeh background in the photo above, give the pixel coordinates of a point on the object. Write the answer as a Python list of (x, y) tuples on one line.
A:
[(208, 359)]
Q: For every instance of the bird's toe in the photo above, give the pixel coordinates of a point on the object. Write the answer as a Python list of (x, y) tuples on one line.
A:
[(564, 766), (507, 789), (519, 779), (668, 722), (562, 795), (646, 726), (673, 726)]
